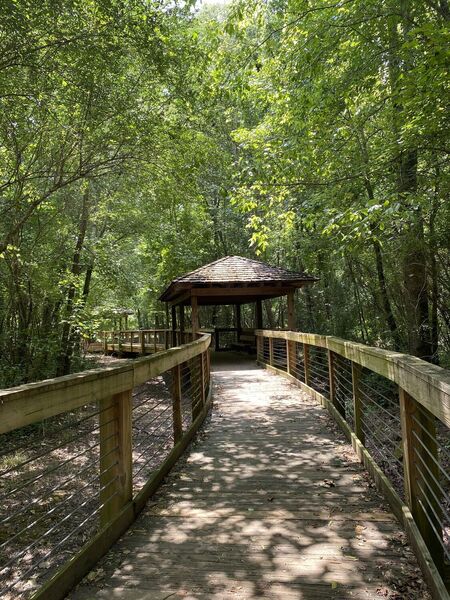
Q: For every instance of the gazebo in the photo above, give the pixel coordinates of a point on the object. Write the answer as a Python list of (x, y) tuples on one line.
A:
[(233, 280)]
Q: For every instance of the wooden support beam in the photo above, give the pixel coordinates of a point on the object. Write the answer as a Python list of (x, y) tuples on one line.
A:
[(237, 308), (259, 314), (290, 346), (332, 369), (291, 311), (358, 414), (182, 324), (306, 363), (271, 351), (115, 455), (259, 343), (421, 473), (194, 316), (174, 326), (203, 374), (142, 342), (176, 404)]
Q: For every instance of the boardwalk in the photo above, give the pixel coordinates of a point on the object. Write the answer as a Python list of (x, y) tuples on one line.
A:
[(270, 503)]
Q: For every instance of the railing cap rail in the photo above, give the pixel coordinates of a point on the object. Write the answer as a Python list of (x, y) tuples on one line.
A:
[(32, 402), (429, 384)]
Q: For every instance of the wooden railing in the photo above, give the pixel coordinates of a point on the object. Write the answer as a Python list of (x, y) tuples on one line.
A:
[(81, 454), (142, 341), (395, 409)]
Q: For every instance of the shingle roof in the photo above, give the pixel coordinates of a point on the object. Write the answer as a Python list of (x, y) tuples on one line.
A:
[(236, 270)]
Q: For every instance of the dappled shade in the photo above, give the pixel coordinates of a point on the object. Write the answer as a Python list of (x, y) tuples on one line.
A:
[(270, 503)]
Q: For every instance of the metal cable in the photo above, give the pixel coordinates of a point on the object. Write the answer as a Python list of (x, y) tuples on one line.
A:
[(53, 469)]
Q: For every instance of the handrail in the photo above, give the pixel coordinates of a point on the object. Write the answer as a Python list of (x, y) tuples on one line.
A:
[(428, 384), (96, 440), (399, 436), (32, 402)]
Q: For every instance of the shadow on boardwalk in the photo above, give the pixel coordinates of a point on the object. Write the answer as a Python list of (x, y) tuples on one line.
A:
[(270, 503)]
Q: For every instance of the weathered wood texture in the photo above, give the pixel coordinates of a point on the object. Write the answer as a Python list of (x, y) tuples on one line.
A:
[(30, 403), (271, 503), (422, 518), (427, 383)]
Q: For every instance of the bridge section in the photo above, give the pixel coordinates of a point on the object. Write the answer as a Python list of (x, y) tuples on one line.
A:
[(271, 502)]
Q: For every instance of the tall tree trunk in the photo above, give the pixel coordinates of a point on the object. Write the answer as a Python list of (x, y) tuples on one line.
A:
[(414, 252), (434, 274), (382, 284), (386, 303), (66, 348)]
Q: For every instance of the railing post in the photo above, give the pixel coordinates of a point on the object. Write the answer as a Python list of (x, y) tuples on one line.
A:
[(357, 404), (202, 380), (116, 468), (291, 362), (421, 473), (105, 342), (258, 347), (131, 340), (142, 342), (176, 404), (208, 371), (166, 339), (271, 351), (154, 342), (332, 379), (196, 381), (307, 362), (120, 342)]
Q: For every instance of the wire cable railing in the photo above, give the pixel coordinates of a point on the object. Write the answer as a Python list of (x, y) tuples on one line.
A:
[(80, 456), (396, 411)]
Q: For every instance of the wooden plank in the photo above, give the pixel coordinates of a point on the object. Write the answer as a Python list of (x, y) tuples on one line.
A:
[(235, 546), (272, 290), (400, 510)]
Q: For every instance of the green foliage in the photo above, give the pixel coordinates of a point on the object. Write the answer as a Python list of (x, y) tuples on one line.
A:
[(139, 140)]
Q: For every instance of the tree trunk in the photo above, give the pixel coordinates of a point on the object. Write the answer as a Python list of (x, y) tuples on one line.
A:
[(66, 348), (414, 253)]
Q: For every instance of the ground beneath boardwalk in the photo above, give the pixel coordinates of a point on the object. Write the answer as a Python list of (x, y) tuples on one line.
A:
[(271, 502)]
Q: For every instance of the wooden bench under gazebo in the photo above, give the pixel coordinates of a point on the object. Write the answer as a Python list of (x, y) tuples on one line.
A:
[(232, 280)]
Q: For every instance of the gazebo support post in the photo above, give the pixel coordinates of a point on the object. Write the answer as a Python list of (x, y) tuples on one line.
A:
[(195, 322), (174, 326), (238, 321), (259, 315), (291, 362), (182, 335)]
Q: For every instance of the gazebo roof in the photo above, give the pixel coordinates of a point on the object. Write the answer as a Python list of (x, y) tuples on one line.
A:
[(234, 280)]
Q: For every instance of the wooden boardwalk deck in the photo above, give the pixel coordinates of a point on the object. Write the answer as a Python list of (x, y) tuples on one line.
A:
[(270, 503)]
